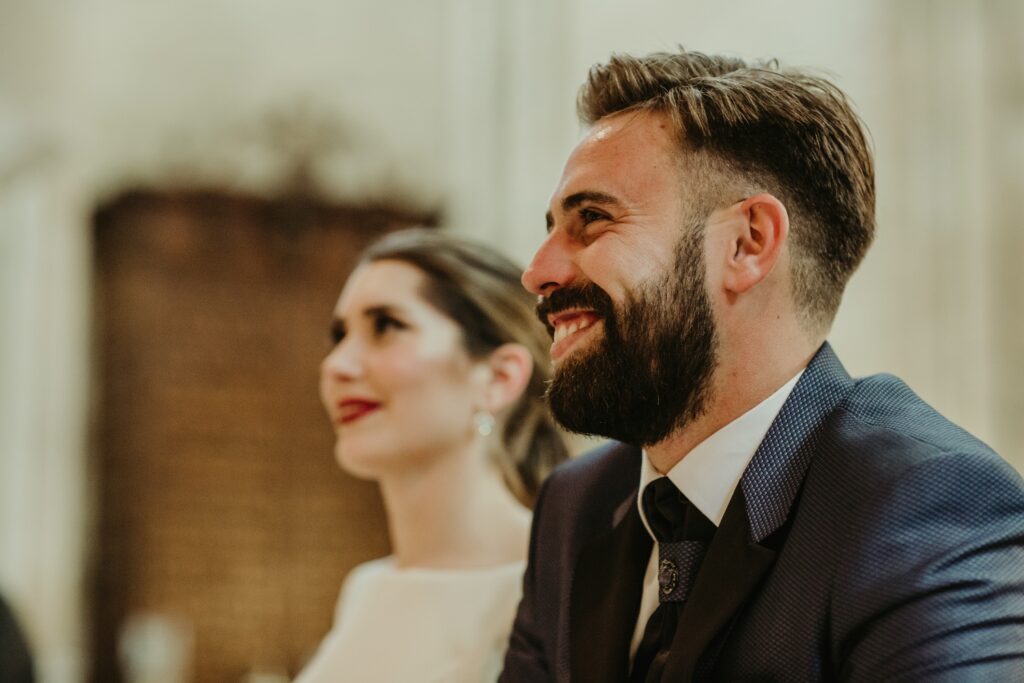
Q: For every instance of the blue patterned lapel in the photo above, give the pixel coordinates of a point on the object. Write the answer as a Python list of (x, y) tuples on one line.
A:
[(736, 561), (771, 481)]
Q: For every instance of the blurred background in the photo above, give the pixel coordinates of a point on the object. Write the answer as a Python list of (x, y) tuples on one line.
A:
[(183, 187)]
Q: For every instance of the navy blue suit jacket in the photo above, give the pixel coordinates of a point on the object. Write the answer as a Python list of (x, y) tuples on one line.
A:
[(869, 540)]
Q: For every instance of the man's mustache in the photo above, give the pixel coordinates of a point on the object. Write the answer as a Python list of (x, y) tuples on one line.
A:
[(587, 295)]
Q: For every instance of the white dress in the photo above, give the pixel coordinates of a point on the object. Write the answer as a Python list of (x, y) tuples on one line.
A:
[(396, 625)]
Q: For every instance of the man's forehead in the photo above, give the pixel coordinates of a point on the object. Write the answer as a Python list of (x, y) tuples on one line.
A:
[(605, 128), (618, 143), (650, 126)]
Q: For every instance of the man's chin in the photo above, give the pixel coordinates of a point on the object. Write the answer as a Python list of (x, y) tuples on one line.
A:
[(574, 397), (590, 396)]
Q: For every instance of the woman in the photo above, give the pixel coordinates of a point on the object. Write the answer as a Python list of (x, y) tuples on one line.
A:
[(434, 387)]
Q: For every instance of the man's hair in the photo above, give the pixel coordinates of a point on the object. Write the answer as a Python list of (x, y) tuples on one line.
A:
[(750, 127)]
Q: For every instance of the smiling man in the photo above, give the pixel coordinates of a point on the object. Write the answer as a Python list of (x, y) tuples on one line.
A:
[(765, 516)]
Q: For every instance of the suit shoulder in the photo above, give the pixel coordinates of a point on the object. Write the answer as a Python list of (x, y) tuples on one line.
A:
[(883, 433), (609, 460), (920, 525), (609, 472), (883, 406)]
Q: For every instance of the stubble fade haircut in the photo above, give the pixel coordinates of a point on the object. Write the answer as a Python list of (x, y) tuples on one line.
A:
[(756, 127)]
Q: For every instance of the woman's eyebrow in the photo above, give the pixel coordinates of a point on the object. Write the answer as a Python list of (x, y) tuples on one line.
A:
[(371, 311), (379, 309)]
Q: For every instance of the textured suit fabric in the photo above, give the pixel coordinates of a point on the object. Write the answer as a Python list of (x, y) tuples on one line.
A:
[(869, 539)]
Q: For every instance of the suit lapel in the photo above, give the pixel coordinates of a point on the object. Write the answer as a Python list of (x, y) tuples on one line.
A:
[(606, 588), (737, 560), (776, 472)]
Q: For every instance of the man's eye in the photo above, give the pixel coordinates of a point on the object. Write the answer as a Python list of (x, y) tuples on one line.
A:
[(589, 216)]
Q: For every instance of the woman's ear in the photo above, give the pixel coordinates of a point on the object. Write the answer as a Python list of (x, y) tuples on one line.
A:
[(757, 242), (510, 367)]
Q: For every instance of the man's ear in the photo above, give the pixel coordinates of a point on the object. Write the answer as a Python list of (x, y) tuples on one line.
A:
[(510, 367), (756, 243)]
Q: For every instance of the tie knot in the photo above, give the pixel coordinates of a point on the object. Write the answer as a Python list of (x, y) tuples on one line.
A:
[(671, 516)]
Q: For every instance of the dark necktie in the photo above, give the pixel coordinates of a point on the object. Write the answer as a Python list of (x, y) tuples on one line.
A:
[(683, 534)]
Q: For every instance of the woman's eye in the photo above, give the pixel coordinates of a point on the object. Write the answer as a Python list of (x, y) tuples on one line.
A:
[(383, 324), (337, 334)]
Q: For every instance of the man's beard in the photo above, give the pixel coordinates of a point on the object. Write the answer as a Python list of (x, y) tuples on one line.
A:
[(650, 372)]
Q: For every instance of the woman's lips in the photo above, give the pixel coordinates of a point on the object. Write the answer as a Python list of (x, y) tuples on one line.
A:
[(350, 410)]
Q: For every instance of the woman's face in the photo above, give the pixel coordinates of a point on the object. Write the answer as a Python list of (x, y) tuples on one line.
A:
[(398, 385)]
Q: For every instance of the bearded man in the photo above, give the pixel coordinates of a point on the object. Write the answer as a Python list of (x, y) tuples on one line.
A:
[(765, 516)]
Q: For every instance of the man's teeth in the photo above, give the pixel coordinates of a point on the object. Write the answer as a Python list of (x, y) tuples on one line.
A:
[(564, 330)]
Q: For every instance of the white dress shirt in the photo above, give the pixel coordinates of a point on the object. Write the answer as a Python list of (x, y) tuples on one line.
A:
[(708, 476)]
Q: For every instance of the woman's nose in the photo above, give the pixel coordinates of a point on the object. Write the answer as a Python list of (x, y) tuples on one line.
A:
[(342, 362)]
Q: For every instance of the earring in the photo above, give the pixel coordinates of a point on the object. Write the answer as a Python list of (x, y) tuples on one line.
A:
[(484, 422)]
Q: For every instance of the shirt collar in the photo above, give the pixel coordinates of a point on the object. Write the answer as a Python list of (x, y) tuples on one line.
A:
[(709, 474)]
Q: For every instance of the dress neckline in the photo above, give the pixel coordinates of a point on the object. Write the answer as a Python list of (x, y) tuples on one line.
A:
[(387, 564)]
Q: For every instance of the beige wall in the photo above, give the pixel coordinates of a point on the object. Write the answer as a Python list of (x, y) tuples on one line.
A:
[(468, 105)]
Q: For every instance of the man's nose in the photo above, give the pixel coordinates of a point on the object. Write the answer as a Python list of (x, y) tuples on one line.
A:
[(552, 266)]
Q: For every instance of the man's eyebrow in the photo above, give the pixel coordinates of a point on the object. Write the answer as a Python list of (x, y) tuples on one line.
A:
[(574, 200)]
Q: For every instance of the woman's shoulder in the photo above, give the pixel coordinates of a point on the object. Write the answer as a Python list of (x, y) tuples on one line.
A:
[(358, 578), (368, 570)]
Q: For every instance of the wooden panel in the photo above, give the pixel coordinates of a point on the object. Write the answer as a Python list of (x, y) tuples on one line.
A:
[(219, 498)]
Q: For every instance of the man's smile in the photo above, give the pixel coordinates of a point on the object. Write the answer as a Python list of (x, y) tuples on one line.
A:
[(569, 328)]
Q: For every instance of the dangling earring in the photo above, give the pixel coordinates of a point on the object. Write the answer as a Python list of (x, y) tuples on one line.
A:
[(484, 422)]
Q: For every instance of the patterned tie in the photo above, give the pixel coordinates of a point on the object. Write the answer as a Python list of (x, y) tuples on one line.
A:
[(683, 534)]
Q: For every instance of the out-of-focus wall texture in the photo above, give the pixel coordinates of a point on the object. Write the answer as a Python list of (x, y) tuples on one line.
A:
[(466, 106)]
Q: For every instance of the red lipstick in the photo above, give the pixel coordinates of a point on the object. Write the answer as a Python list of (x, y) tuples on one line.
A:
[(352, 409)]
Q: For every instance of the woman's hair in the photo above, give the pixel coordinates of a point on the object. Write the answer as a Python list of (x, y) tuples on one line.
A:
[(479, 289)]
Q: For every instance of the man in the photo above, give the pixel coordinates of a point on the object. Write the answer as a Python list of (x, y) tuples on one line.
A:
[(771, 518)]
